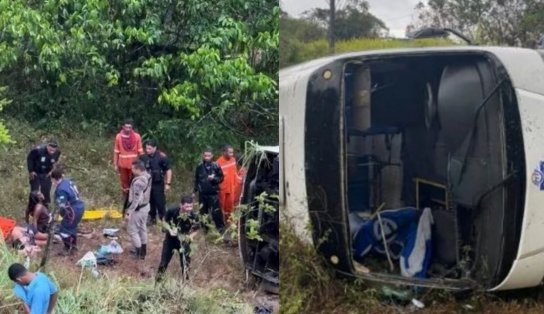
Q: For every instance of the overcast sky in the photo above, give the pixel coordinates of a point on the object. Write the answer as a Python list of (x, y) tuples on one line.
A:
[(395, 13)]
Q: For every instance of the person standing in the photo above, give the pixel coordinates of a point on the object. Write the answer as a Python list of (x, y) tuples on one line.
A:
[(158, 165), (227, 188), (208, 176), (181, 225), (127, 147), (71, 209), (40, 162), (240, 177), (138, 208), (36, 290)]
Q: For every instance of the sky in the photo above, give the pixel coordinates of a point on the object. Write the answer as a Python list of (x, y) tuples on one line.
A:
[(396, 14)]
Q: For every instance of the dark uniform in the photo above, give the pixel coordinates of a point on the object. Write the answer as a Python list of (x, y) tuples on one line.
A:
[(209, 191), (40, 162), (185, 224), (157, 165)]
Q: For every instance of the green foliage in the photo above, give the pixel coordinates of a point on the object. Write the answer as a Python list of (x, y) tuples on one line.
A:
[(505, 22), (191, 73), (319, 48), (5, 138), (352, 20)]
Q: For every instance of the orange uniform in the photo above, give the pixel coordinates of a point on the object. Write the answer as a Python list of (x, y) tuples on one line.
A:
[(228, 186), (126, 149), (240, 176)]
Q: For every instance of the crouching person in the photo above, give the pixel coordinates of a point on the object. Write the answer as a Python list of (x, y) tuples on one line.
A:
[(181, 224), (138, 208), (71, 209), (36, 290)]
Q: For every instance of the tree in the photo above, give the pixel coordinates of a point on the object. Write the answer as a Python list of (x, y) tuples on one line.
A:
[(504, 22), (5, 138), (352, 20), (191, 73)]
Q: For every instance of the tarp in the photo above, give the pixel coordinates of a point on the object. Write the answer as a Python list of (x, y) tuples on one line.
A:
[(408, 236)]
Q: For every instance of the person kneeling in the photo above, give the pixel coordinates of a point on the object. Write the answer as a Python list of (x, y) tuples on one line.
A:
[(71, 209), (181, 225)]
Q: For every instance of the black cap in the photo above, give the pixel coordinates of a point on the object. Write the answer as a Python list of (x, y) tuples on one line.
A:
[(53, 143), (186, 199)]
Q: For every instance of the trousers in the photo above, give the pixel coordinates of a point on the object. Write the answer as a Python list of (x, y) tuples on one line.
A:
[(226, 202), (125, 175), (137, 226), (209, 205), (157, 201), (170, 246)]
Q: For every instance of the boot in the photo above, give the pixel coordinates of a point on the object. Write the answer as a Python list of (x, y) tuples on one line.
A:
[(143, 251), (136, 252)]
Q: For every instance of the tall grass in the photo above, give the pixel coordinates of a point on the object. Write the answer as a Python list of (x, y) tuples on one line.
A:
[(307, 286), (106, 295)]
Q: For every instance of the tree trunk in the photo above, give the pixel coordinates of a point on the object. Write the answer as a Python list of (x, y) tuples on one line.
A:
[(332, 14)]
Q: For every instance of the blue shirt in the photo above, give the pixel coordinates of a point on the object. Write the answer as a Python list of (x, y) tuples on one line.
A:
[(67, 195), (70, 205), (37, 294)]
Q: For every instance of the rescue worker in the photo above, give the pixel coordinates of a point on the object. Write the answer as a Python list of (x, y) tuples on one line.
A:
[(208, 176), (181, 225), (127, 147), (71, 209), (240, 177), (227, 162), (138, 208), (158, 165), (40, 162)]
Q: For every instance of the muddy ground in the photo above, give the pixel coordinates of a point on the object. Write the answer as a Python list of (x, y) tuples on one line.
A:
[(213, 265)]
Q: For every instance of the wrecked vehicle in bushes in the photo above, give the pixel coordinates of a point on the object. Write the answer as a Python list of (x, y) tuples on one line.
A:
[(418, 167), (259, 225)]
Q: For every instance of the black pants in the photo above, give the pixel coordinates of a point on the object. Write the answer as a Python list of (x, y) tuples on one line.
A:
[(157, 201), (209, 205), (170, 246), (42, 182)]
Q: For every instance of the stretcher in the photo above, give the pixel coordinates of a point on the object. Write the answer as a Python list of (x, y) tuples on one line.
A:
[(100, 213)]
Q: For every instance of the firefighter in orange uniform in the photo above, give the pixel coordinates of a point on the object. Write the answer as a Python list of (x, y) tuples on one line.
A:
[(240, 176), (127, 147), (227, 162)]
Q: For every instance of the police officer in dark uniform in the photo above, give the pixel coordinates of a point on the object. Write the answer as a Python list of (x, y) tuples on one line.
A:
[(158, 166), (208, 176), (40, 162)]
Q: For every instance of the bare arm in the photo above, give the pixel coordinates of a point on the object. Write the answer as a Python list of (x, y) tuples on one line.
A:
[(37, 213), (52, 303), (169, 176)]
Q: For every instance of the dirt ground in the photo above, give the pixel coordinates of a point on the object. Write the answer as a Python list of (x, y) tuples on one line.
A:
[(213, 266)]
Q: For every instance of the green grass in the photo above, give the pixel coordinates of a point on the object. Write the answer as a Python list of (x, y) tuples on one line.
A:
[(307, 286), (121, 295), (87, 157)]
